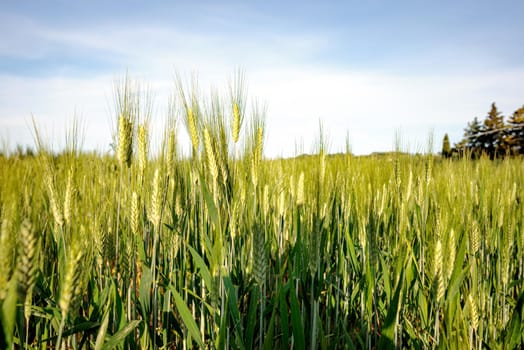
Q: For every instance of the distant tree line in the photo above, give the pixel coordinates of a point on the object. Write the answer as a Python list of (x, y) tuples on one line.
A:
[(494, 137)]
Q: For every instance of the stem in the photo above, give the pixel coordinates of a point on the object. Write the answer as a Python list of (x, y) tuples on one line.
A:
[(313, 315), (117, 243), (261, 329), (436, 336), (202, 320), (153, 272), (60, 331)]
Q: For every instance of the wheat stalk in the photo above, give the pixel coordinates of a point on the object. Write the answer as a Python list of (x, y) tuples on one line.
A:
[(155, 210), (451, 253), (70, 284), (300, 190), (193, 131), (475, 237), (473, 312), (427, 167), (265, 201), (396, 170), (171, 153), (26, 268), (237, 96), (53, 200), (68, 198), (135, 213), (259, 144), (98, 242), (7, 243), (254, 173), (259, 256), (125, 140), (210, 156), (322, 168), (437, 272), (142, 136), (236, 122)]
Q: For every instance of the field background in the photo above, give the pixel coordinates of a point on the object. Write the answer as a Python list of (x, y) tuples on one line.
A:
[(226, 249)]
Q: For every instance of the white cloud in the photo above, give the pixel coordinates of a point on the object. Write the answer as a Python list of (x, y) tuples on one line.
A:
[(53, 103), (369, 104), (372, 106)]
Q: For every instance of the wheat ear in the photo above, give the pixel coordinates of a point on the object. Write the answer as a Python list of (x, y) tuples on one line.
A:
[(236, 122), (259, 256), (26, 271), (70, 284), (142, 148), (193, 132), (300, 189), (210, 155), (125, 140), (68, 198), (438, 277), (7, 243)]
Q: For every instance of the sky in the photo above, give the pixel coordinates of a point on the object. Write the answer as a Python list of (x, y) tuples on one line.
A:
[(370, 70)]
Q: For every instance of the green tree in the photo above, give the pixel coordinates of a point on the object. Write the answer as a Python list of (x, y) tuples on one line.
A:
[(446, 147), (492, 137), (514, 136), (471, 143)]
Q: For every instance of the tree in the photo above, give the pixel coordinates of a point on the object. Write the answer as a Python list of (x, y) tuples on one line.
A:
[(446, 147), (492, 136), (514, 135), (471, 143)]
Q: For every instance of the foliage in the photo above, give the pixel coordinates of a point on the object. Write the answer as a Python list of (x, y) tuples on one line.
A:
[(494, 137)]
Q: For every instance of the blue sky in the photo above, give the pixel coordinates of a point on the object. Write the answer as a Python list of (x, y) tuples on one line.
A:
[(368, 69)]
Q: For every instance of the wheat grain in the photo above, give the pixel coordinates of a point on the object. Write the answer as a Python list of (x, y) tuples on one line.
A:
[(236, 122), (451, 253), (210, 155), (259, 144), (135, 216), (171, 153), (193, 131), (70, 282), (254, 174), (6, 254), (259, 256), (156, 200), (125, 140), (322, 167), (142, 136), (473, 312), (53, 200), (281, 203), (475, 237), (438, 277), (265, 201), (69, 193), (300, 190), (26, 267)]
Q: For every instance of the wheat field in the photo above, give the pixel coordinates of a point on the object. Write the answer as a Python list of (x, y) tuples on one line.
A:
[(222, 248)]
